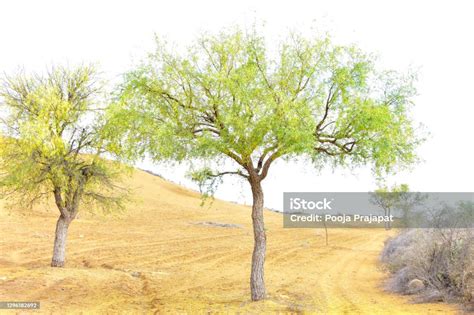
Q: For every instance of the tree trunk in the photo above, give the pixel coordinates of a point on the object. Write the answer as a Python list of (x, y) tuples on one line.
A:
[(257, 283), (386, 224), (59, 251), (389, 224)]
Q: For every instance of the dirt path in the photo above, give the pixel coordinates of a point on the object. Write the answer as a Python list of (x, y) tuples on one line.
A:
[(353, 283), (156, 259)]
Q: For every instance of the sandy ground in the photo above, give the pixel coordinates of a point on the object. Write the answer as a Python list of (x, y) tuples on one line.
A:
[(156, 259)]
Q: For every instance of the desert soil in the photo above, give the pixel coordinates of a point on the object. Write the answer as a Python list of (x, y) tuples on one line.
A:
[(157, 258)]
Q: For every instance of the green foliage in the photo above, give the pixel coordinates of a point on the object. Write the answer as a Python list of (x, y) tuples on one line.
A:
[(399, 198), (389, 198), (52, 141), (228, 97), (207, 181)]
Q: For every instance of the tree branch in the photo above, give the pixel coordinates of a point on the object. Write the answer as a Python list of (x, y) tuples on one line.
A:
[(268, 162), (240, 173)]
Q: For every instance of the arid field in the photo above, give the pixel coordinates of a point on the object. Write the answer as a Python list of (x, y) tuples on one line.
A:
[(158, 257)]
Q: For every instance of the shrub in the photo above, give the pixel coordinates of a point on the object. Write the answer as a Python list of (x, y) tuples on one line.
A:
[(442, 259)]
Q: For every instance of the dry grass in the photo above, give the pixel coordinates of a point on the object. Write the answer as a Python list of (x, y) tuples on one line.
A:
[(156, 259), (440, 260)]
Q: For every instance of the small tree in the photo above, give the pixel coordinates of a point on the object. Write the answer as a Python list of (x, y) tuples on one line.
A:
[(407, 203), (229, 99), (398, 198), (52, 143), (388, 199)]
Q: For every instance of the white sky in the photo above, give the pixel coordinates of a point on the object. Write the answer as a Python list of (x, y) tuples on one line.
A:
[(434, 36)]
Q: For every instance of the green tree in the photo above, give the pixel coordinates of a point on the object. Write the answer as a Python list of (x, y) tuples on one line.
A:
[(389, 199), (407, 203), (228, 99), (398, 198), (52, 141)]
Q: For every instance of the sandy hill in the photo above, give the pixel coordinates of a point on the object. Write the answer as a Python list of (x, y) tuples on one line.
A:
[(161, 256)]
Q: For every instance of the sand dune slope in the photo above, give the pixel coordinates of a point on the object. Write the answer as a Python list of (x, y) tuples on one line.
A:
[(157, 258)]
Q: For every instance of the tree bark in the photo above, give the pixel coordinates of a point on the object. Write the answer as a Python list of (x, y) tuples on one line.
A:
[(389, 224), (257, 283), (59, 251)]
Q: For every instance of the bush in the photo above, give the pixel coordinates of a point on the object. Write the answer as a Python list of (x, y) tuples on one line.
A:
[(440, 259)]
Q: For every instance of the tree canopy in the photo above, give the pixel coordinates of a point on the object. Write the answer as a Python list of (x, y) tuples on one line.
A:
[(228, 97), (52, 140)]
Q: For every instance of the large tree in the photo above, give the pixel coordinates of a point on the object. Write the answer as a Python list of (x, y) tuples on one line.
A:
[(53, 137), (229, 99)]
